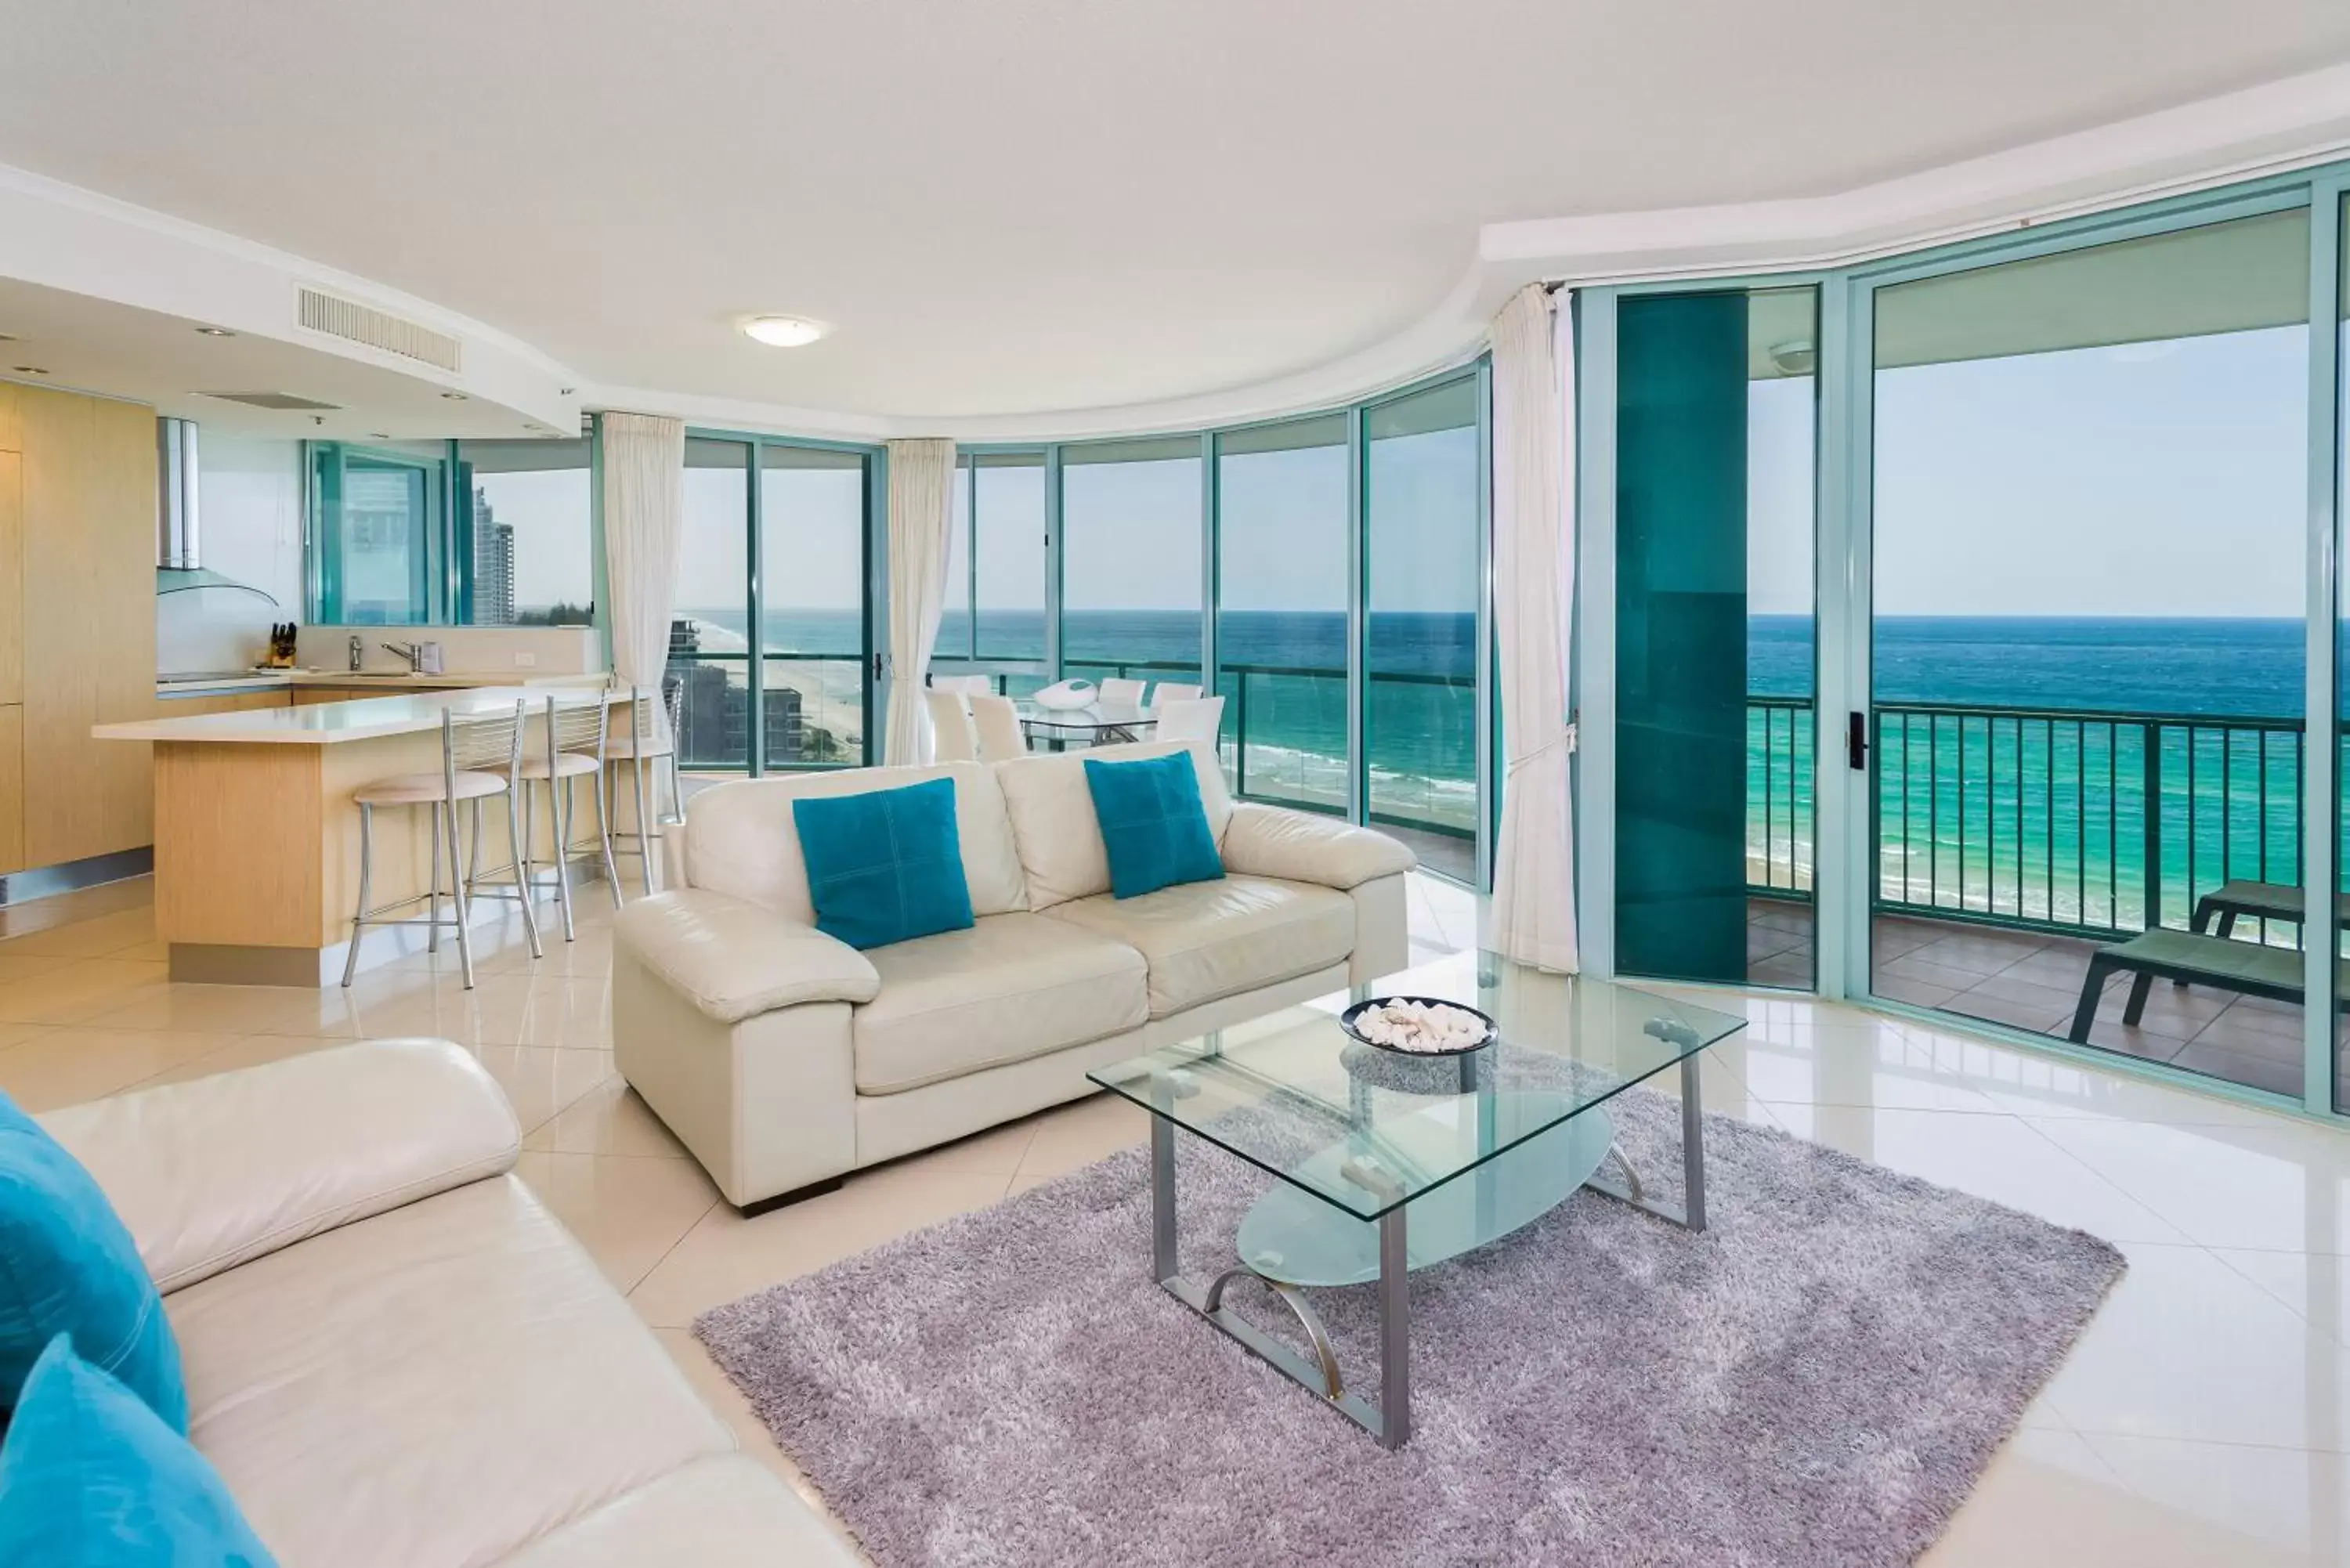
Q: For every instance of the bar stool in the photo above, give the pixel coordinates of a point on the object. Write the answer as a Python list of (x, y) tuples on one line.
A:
[(478, 755), (652, 735), (577, 732)]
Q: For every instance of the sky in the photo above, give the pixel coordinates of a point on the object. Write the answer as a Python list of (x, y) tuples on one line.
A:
[(2153, 479)]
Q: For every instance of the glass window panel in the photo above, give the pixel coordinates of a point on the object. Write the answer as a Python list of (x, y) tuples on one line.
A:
[(2091, 476), (812, 576), (2342, 651), (1420, 713), (376, 521), (1280, 617), (1781, 510), (954, 617), (710, 630), (531, 547), (1130, 559), (1008, 550)]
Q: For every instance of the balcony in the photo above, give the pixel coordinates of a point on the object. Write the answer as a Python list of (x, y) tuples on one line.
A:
[(2012, 842)]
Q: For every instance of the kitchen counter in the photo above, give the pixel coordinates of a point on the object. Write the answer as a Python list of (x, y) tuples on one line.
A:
[(258, 832), (408, 712), (364, 680)]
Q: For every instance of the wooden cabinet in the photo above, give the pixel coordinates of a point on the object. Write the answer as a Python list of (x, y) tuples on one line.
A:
[(77, 621), (12, 787), (12, 572)]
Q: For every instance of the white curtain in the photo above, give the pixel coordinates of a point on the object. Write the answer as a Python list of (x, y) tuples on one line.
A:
[(921, 499), (1534, 564), (644, 522)]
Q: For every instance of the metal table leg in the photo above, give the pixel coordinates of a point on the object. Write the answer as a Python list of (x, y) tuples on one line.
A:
[(1692, 1213), (1390, 1421)]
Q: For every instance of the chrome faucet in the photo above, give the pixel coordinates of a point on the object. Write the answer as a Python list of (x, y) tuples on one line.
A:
[(359, 651), (412, 651)]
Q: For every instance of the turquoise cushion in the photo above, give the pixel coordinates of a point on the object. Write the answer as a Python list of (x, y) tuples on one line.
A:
[(1152, 823), (90, 1476), (67, 1266), (886, 864)]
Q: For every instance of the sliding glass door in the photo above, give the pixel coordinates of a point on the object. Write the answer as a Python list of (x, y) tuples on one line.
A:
[(2090, 503)]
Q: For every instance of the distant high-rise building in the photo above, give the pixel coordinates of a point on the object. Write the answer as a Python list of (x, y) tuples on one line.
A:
[(494, 586)]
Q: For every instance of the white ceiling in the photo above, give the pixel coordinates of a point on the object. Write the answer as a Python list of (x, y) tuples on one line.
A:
[(59, 338), (1010, 206)]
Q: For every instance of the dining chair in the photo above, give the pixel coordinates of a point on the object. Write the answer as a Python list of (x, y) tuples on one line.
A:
[(1200, 719), (998, 724), (950, 727), (964, 686), (1128, 692), (1174, 691)]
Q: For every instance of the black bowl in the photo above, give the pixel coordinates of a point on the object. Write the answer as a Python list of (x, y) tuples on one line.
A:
[(1346, 1022)]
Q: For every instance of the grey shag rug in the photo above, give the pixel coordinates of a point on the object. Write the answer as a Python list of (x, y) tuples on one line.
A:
[(1818, 1379)]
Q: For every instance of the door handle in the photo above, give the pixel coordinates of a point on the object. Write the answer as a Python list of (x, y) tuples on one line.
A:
[(1856, 742)]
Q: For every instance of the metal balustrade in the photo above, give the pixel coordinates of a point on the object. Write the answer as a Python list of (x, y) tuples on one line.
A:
[(2039, 818)]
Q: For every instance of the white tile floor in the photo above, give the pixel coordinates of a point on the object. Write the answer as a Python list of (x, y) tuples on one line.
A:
[(2203, 1418)]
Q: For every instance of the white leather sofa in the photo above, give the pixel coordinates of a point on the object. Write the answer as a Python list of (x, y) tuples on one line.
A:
[(394, 1355), (784, 1058)]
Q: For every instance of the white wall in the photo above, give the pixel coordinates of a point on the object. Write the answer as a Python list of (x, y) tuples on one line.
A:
[(249, 500)]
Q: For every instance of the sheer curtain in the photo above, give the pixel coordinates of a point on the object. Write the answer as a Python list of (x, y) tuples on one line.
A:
[(922, 496), (644, 520), (1533, 863)]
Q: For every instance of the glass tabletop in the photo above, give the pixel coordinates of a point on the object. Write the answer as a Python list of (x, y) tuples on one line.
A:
[(1093, 718), (1365, 1130)]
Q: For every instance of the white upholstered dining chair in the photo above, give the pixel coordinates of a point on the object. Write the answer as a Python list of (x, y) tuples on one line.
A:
[(1197, 719), (998, 724), (951, 737)]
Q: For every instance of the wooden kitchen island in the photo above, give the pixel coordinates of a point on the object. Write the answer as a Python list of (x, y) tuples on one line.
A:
[(257, 839)]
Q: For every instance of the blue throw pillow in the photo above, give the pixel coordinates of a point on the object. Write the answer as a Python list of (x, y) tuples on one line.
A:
[(67, 1266), (1152, 823), (89, 1476), (886, 864)]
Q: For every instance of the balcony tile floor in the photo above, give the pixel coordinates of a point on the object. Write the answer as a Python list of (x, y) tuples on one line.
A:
[(2204, 1419), (2030, 981)]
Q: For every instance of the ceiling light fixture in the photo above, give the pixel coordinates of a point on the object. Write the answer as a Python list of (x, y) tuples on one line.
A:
[(783, 331), (215, 332)]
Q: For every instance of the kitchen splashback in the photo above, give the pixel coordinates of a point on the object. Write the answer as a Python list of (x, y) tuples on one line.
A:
[(464, 649)]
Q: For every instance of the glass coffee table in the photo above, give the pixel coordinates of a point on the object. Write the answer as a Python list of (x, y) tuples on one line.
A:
[(1390, 1163)]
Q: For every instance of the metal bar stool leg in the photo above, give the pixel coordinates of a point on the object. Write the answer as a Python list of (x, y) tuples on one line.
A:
[(367, 875), (558, 805), (432, 932), (522, 881), (457, 875), (526, 859), (645, 831), (604, 832)]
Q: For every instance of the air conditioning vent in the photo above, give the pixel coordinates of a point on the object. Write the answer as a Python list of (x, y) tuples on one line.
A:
[(273, 401), (358, 323)]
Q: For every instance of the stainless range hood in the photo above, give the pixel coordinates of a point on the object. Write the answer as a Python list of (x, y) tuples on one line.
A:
[(179, 555)]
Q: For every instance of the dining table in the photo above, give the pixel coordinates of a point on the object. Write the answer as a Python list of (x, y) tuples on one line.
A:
[(1098, 722)]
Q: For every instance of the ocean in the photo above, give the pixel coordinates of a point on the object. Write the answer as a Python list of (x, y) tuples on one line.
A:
[(2042, 818)]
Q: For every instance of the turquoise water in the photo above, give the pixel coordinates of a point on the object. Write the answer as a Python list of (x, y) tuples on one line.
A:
[(2042, 818), (2041, 812)]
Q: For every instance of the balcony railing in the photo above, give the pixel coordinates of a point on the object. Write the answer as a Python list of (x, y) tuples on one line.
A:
[(2095, 824), (1283, 739)]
